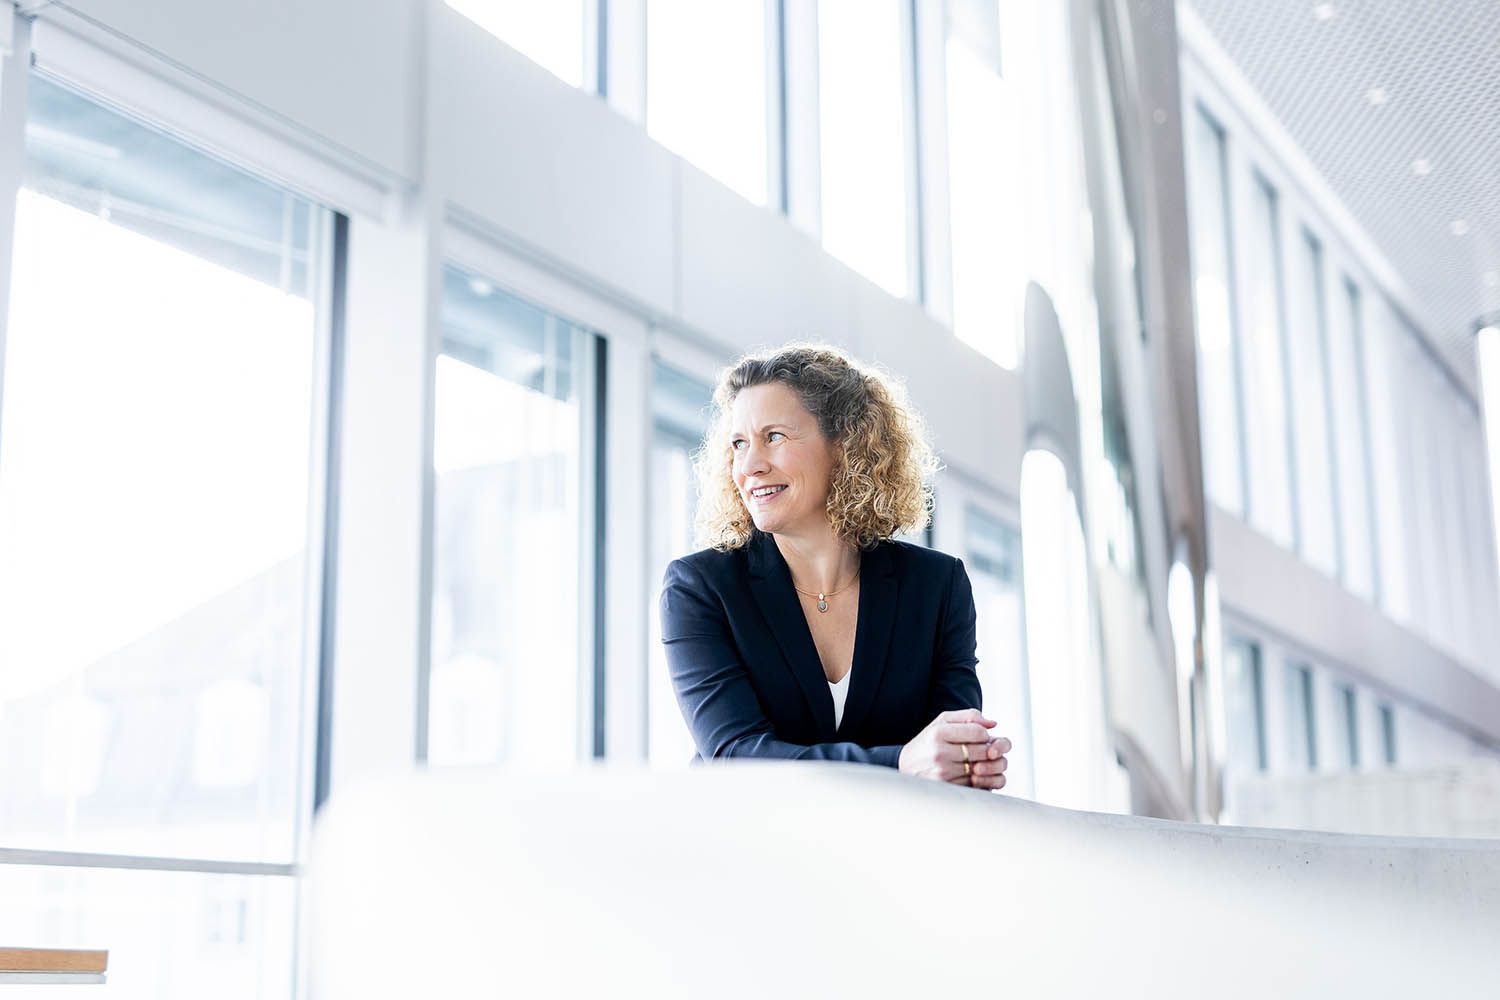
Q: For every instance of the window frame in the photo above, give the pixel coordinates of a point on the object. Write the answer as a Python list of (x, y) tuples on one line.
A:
[(169, 100), (615, 423)]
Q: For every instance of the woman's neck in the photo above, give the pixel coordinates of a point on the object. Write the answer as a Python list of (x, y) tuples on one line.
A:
[(820, 563)]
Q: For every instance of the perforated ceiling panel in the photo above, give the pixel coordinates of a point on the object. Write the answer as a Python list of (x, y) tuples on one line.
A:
[(1397, 104)]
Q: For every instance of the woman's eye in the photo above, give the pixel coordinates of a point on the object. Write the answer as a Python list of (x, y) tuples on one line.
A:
[(735, 444), (776, 434)]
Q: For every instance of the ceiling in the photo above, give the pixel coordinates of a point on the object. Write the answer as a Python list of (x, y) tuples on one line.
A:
[(1397, 105)]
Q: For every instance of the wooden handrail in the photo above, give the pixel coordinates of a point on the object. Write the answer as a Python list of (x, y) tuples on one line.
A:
[(52, 960)]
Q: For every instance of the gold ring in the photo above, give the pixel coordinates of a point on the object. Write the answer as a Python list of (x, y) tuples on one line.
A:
[(966, 769), (965, 748)]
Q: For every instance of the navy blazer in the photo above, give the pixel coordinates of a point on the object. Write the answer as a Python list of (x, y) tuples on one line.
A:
[(748, 677)]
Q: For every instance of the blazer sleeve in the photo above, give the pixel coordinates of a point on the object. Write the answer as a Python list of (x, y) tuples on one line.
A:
[(955, 683), (713, 686)]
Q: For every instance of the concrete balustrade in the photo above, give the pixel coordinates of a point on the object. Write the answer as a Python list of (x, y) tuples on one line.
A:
[(772, 879)]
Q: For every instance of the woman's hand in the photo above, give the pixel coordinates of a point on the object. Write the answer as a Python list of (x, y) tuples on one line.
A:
[(938, 752)]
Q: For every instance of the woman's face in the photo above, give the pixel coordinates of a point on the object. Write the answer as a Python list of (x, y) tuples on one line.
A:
[(777, 443)]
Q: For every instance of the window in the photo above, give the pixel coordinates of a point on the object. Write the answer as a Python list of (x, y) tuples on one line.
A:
[(862, 138), (160, 551), (1301, 720), (706, 87), (549, 34), (1267, 461), (992, 556), (1219, 392), (1351, 726), (983, 184), (1388, 734), (171, 935), (1245, 706), (1308, 368), (1388, 419), (679, 407), (509, 599), (158, 595), (1347, 402)]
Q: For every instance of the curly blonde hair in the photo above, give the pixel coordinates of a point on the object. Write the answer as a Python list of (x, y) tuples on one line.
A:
[(882, 478)]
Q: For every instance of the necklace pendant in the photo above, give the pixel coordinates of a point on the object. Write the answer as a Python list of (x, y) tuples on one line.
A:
[(822, 603)]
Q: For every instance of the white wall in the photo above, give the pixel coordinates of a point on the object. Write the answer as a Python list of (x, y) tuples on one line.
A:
[(342, 74)]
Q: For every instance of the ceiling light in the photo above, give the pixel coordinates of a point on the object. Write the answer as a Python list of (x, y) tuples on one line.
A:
[(1458, 227), (1377, 96), (1421, 167), (480, 287), (1324, 11)]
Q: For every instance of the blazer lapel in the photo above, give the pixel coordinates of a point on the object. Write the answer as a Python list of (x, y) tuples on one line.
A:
[(872, 633), (771, 583)]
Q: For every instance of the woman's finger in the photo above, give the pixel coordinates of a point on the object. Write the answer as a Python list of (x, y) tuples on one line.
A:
[(989, 768), (965, 715), (992, 783), (972, 752), (963, 732), (948, 770)]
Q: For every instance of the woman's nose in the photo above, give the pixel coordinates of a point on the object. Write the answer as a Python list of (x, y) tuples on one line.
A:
[(752, 459)]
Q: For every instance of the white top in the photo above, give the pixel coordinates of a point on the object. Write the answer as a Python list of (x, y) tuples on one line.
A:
[(839, 691)]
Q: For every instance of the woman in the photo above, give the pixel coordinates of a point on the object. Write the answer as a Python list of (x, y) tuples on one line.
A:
[(805, 631)]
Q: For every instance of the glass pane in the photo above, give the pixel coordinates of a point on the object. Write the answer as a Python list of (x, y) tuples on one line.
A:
[(1307, 349), (1388, 734), (1244, 704), (549, 34), (992, 557), (679, 406), (1265, 404), (863, 138), (156, 608), (170, 935), (1457, 534), (983, 185), (506, 585), (1428, 398), (706, 87), (1347, 398), (1218, 392), (1350, 727), (1301, 737), (1387, 423)]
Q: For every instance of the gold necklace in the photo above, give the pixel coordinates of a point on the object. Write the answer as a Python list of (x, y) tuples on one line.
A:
[(823, 597)]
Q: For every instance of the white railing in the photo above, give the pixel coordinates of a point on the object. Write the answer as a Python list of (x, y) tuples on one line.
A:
[(829, 880)]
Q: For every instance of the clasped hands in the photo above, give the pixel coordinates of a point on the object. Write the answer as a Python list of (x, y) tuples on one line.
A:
[(938, 752)]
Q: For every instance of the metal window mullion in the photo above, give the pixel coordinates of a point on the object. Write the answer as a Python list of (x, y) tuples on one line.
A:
[(590, 372), (911, 144), (328, 395), (15, 64), (802, 122), (1236, 324), (933, 193), (1330, 413), (776, 111), (1362, 403), (1284, 383), (1243, 193), (621, 62), (25, 857)]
